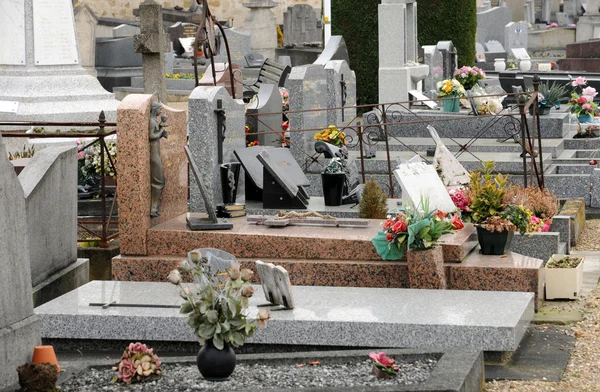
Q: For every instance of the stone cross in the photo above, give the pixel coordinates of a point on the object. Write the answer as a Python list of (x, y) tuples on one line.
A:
[(152, 43)]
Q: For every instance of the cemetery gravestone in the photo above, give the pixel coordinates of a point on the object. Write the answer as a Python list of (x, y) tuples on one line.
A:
[(19, 327), (125, 31), (341, 92), (432, 58), (240, 44), (85, 28), (133, 171), (516, 35), (276, 284), (306, 85), (181, 30), (279, 189), (152, 43), (261, 24), (335, 49), (520, 54), (495, 50), (254, 169), (418, 181), (449, 62), (40, 68), (300, 25), (493, 21), (268, 100), (203, 139)]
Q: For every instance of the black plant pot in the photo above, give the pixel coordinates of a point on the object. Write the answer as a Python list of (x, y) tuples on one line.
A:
[(542, 110), (214, 364), (493, 243), (333, 188), (230, 178)]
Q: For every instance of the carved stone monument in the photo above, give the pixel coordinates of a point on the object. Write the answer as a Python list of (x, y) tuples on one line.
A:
[(262, 26), (156, 132), (152, 43), (300, 25), (41, 77)]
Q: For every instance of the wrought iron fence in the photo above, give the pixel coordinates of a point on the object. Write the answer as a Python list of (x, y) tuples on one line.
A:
[(373, 127), (103, 237)]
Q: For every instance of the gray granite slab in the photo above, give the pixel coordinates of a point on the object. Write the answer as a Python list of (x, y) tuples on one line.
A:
[(538, 245), (317, 204), (341, 316)]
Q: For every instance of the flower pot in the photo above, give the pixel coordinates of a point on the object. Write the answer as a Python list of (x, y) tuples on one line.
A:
[(525, 65), (499, 65), (214, 364), (563, 283), (333, 188), (493, 243), (44, 354), (542, 110), (585, 118), (426, 268), (451, 105), (230, 176)]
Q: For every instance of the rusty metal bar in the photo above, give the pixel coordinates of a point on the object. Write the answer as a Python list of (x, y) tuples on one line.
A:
[(387, 149), (362, 155)]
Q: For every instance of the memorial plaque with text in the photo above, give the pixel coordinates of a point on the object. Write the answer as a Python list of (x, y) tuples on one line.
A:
[(54, 33), (12, 32)]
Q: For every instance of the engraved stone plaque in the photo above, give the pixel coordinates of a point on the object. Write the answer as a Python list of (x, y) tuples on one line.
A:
[(12, 32), (54, 33)]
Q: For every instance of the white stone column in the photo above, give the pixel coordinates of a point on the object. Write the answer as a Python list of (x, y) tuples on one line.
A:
[(394, 78), (411, 32), (263, 27)]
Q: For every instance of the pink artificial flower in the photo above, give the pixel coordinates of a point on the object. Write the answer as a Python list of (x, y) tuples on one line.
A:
[(463, 75), (545, 228), (586, 106), (135, 348), (382, 359), (126, 370), (80, 155), (535, 220), (554, 25), (580, 81), (547, 26), (589, 92)]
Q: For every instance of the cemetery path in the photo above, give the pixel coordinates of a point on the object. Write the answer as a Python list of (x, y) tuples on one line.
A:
[(583, 371)]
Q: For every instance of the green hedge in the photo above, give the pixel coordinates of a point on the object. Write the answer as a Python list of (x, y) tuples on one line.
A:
[(438, 20), (449, 20), (356, 20)]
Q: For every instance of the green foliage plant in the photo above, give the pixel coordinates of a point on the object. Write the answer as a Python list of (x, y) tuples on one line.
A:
[(487, 191), (217, 304), (373, 203), (449, 20)]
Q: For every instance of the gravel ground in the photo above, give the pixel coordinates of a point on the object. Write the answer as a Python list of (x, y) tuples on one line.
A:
[(583, 371), (588, 239), (184, 378)]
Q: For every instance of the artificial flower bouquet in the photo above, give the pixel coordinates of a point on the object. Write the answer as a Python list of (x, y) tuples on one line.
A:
[(415, 228), (469, 76), (582, 98), (332, 135), (138, 364), (450, 88)]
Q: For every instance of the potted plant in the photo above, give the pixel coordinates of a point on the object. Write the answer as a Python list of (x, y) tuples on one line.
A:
[(452, 90), (333, 179), (469, 76), (564, 276), (551, 95), (582, 100), (217, 309), (496, 219)]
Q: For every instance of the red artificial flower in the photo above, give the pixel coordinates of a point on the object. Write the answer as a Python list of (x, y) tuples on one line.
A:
[(441, 214), (382, 359), (582, 100), (399, 227), (388, 224), (457, 223), (593, 162), (389, 237), (285, 125)]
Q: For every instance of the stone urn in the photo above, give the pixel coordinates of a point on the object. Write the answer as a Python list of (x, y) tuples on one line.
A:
[(426, 268)]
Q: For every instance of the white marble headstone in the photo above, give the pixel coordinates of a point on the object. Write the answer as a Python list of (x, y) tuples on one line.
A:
[(54, 33), (520, 53), (12, 32), (420, 181)]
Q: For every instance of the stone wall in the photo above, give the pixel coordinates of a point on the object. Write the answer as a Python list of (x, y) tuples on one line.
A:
[(222, 9)]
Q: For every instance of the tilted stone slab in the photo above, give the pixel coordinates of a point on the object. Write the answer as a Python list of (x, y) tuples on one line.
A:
[(333, 316)]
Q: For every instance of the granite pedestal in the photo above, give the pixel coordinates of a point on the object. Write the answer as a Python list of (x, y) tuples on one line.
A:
[(353, 317)]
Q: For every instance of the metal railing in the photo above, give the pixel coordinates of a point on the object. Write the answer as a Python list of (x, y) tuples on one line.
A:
[(103, 237)]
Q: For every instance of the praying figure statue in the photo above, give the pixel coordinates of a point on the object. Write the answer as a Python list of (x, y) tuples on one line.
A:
[(157, 173)]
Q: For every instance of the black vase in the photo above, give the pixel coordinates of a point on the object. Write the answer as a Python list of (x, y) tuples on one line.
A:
[(333, 188), (215, 364), (230, 178), (493, 243)]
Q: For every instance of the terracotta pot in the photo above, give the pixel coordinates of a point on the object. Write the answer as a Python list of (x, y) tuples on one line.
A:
[(44, 354), (426, 268)]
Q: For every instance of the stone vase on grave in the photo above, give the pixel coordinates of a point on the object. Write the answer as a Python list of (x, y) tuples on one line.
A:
[(426, 268), (333, 188)]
